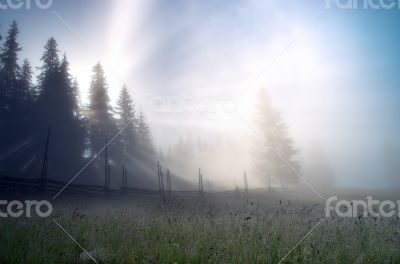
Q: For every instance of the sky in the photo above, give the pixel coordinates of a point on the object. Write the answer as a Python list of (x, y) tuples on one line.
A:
[(333, 73)]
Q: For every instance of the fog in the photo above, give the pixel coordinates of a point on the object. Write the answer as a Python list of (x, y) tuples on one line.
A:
[(195, 70)]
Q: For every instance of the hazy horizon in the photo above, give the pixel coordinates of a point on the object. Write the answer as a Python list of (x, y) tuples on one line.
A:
[(331, 72)]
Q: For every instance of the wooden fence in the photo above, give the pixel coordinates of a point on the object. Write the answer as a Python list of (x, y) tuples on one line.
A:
[(12, 184)]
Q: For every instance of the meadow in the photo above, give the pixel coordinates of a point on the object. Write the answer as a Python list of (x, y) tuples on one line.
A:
[(197, 230)]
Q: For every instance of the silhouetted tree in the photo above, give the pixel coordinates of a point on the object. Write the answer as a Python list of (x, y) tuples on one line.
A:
[(26, 92), (273, 147), (102, 124), (127, 121), (58, 110), (28, 110), (146, 152), (9, 70), (144, 135), (15, 116)]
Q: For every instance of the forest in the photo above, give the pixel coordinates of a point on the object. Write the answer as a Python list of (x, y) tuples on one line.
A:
[(50, 107), (30, 110)]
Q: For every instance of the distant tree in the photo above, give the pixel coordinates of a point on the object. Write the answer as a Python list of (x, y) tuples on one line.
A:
[(391, 158), (127, 121), (146, 152), (9, 69), (144, 134), (102, 123), (273, 147), (320, 173), (77, 103)]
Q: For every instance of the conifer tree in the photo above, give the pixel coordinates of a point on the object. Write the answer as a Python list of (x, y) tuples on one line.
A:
[(146, 150), (144, 135), (102, 124), (128, 124), (9, 69), (57, 108), (26, 90), (273, 152)]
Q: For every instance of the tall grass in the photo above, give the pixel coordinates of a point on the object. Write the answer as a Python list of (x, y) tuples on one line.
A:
[(195, 231)]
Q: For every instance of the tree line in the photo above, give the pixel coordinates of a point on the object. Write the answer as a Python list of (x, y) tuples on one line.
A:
[(28, 110)]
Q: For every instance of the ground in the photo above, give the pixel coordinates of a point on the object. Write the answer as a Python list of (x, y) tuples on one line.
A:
[(196, 230)]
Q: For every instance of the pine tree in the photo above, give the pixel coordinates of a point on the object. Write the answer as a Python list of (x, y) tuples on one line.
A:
[(127, 121), (27, 93), (146, 153), (9, 69), (102, 124), (144, 135), (273, 148), (57, 108), (49, 72), (13, 130)]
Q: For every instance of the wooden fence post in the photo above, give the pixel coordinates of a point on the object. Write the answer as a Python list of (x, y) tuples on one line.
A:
[(168, 182), (201, 190), (246, 186), (106, 168), (45, 163), (108, 179), (158, 175), (124, 181), (126, 177), (161, 180)]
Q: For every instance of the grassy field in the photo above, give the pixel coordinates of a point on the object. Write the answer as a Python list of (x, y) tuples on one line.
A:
[(128, 230)]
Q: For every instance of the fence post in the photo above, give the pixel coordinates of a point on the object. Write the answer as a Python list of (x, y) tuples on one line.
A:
[(158, 175), (126, 177), (106, 168), (108, 179), (160, 181), (123, 179), (246, 186), (45, 163), (168, 182), (201, 190)]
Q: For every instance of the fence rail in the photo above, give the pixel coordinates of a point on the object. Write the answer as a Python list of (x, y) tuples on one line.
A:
[(10, 184)]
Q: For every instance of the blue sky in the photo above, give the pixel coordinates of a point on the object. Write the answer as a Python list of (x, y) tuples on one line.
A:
[(337, 84)]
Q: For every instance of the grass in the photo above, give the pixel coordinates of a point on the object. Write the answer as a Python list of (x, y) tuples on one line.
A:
[(195, 231)]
